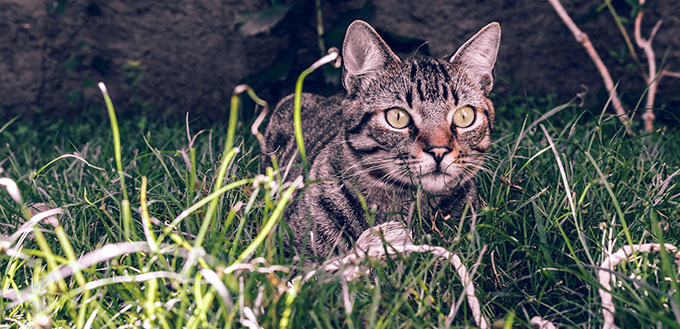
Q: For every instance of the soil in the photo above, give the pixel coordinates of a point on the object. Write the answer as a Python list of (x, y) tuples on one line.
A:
[(178, 56)]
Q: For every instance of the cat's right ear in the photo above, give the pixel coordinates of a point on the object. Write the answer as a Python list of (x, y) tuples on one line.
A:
[(364, 52)]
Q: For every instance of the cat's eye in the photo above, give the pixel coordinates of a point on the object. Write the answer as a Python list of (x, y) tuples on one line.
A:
[(464, 117), (397, 118)]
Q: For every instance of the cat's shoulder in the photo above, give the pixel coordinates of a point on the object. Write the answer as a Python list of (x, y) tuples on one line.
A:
[(314, 109), (321, 119)]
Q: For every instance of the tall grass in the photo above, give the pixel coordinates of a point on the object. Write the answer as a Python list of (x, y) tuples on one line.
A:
[(561, 192)]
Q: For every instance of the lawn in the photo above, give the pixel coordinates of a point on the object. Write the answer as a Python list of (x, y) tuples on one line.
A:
[(180, 228)]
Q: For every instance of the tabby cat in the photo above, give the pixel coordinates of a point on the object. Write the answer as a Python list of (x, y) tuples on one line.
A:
[(421, 124)]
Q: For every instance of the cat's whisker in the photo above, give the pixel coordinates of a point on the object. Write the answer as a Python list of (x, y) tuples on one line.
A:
[(365, 170), (389, 177), (395, 174), (389, 181), (486, 157), (367, 161), (478, 167), (342, 141)]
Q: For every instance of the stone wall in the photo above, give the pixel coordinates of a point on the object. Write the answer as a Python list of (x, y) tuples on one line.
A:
[(189, 54)]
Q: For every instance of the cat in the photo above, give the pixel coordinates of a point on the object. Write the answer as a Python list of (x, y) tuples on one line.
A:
[(420, 124)]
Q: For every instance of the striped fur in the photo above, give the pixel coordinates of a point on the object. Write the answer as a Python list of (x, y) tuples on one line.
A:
[(360, 163)]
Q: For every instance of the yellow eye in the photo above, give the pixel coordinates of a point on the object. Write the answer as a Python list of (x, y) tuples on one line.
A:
[(464, 117), (397, 118)]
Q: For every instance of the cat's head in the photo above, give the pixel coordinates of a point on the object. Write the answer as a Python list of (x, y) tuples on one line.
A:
[(421, 120)]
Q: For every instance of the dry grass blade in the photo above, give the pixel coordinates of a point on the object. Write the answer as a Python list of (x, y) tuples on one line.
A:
[(570, 198)]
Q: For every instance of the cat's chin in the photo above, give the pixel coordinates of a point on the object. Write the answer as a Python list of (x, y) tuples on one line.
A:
[(439, 183)]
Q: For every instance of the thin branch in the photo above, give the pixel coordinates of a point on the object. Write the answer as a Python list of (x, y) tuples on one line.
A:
[(652, 78), (585, 42), (666, 73), (397, 239), (605, 275)]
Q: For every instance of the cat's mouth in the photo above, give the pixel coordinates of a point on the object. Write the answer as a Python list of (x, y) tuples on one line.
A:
[(437, 179), (433, 177), (437, 172), (442, 179), (437, 182)]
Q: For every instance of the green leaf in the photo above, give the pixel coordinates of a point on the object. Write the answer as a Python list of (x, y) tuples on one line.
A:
[(88, 83), (254, 22), (73, 63), (74, 96), (60, 7)]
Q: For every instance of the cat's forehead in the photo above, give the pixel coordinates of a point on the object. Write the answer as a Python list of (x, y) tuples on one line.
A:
[(428, 68), (421, 80), (428, 80)]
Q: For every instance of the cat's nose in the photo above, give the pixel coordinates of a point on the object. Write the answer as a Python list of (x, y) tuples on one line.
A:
[(438, 152)]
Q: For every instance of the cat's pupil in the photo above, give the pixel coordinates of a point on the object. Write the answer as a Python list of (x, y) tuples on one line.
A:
[(464, 117), (397, 118)]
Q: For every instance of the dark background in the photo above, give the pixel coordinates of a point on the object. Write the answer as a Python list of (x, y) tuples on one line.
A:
[(172, 56)]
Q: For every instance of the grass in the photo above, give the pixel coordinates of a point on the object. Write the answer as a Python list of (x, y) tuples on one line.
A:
[(200, 245)]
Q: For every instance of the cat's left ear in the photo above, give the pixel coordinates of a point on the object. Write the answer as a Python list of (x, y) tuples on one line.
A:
[(478, 55), (364, 53)]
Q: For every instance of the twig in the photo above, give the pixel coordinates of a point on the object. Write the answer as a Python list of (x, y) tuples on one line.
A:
[(652, 78), (605, 276), (666, 73), (398, 240), (466, 279), (583, 39)]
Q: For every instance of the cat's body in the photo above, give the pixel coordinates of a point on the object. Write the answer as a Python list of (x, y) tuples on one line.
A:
[(422, 124)]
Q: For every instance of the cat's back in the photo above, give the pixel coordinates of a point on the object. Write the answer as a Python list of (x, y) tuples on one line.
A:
[(321, 120)]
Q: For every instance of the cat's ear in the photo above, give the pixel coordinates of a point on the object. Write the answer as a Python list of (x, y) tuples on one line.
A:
[(478, 55), (364, 53)]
